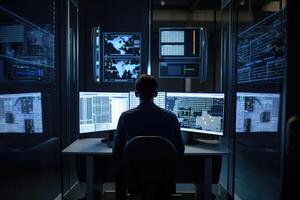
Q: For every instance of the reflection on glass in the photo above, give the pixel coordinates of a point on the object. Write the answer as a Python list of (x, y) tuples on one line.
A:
[(260, 73), (261, 51), (26, 49), (257, 112)]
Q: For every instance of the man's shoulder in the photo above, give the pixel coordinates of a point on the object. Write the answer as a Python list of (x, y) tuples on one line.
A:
[(156, 109), (166, 112), (130, 112)]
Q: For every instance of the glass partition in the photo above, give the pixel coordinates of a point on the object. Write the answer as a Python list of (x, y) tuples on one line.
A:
[(29, 102), (27, 45), (174, 25), (260, 67)]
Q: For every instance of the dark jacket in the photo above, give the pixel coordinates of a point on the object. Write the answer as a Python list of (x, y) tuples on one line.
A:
[(147, 120)]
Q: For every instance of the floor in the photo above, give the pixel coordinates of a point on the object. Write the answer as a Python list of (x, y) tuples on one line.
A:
[(183, 192), (257, 175), (41, 183)]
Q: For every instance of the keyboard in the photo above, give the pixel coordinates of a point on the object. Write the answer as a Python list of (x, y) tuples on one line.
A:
[(109, 143)]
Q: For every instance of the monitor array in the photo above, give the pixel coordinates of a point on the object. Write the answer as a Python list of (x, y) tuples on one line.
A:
[(196, 112)]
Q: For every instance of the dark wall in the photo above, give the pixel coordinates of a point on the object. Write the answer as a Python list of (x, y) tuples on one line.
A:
[(111, 16), (40, 15)]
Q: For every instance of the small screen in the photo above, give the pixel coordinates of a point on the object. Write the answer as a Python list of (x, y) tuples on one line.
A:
[(122, 44), (257, 112), (121, 70), (180, 42), (172, 42), (198, 112), (100, 111), (96, 45), (159, 100), (179, 69), (21, 113)]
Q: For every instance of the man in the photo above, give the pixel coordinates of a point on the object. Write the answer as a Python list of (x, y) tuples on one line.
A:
[(145, 120)]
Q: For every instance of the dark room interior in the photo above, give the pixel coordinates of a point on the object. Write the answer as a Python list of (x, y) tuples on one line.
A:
[(226, 74)]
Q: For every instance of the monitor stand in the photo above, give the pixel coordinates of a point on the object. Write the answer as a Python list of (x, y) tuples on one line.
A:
[(109, 139), (207, 141), (190, 139), (187, 138), (111, 135)]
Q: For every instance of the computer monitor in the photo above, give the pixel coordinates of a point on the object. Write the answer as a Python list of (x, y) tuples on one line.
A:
[(179, 69), (183, 52), (198, 112), (176, 42), (100, 111), (121, 56), (159, 100), (257, 112), (21, 113), (122, 44), (121, 69)]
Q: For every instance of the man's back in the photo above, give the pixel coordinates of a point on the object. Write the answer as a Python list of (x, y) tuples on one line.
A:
[(146, 120)]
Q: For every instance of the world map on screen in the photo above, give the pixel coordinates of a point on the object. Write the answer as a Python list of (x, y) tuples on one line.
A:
[(122, 44), (121, 69)]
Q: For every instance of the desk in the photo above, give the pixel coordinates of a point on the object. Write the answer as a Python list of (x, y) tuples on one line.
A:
[(91, 147)]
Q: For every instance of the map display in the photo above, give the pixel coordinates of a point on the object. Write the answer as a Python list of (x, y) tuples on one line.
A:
[(121, 56), (126, 44), (202, 113), (118, 70)]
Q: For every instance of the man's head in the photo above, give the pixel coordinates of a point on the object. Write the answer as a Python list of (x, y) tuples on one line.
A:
[(146, 87)]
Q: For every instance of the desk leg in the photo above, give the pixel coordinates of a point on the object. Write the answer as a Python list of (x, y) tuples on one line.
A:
[(90, 177), (208, 178)]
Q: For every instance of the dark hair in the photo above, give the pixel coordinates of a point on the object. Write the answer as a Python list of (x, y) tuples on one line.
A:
[(146, 86)]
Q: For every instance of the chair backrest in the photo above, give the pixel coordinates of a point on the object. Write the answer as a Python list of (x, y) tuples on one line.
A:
[(150, 160)]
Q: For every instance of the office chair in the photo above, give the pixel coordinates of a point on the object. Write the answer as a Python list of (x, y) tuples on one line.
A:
[(149, 164)]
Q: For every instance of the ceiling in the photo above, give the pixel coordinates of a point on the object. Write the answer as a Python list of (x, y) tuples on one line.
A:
[(185, 4), (205, 4)]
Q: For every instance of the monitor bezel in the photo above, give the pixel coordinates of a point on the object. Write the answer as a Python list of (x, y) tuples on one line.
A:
[(197, 131)]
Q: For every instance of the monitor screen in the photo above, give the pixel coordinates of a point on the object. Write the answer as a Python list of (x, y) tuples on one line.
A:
[(198, 112), (122, 44), (21, 113), (121, 69), (160, 100), (178, 42), (179, 69), (183, 52), (121, 56), (100, 111), (257, 112)]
